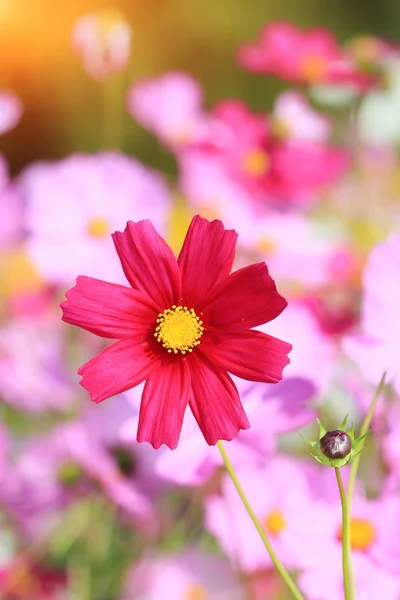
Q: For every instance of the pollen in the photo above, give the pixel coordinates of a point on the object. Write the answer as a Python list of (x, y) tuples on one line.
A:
[(313, 68), (256, 162), (274, 522), (362, 534), (196, 592), (179, 329), (98, 227)]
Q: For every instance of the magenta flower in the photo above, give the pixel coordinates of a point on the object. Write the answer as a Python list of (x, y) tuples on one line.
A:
[(181, 327)]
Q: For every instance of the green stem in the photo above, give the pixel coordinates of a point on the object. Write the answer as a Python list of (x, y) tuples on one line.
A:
[(279, 566), (354, 465), (364, 428), (346, 547)]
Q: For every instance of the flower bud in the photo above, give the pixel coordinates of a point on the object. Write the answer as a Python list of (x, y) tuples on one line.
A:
[(335, 444)]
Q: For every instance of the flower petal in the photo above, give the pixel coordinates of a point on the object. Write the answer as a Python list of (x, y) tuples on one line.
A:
[(108, 309), (148, 263), (251, 355), (215, 401), (121, 366), (245, 299), (164, 401), (206, 258)]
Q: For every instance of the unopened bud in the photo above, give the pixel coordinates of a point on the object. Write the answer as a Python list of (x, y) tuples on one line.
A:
[(335, 444)]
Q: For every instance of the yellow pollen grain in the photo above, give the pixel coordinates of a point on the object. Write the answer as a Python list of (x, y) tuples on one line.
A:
[(313, 68), (98, 227), (179, 329), (256, 162), (362, 534), (274, 522), (196, 592)]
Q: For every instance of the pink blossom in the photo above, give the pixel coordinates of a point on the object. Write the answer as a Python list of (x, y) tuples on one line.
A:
[(309, 57), (33, 377), (170, 107), (244, 157), (103, 40), (10, 110), (189, 575), (70, 215), (376, 348), (281, 495), (375, 544)]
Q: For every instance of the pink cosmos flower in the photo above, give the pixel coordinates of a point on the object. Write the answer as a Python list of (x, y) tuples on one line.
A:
[(309, 57), (70, 217), (294, 118), (181, 327), (245, 156), (103, 40), (282, 494), (189, 575), (170, 107), (375, 545), (376, 348), (10, 110)]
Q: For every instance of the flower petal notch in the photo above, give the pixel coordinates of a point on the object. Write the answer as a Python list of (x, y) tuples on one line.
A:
[(182, 327)]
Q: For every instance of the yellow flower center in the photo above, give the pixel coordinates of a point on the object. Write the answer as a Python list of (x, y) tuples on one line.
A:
[(274, 522), (313, 68), (98, 227), (196, 592), (362, 534), (179, 329), (256, 162)]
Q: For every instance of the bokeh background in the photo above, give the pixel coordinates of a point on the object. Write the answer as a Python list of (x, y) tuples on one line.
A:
[(63, 106)]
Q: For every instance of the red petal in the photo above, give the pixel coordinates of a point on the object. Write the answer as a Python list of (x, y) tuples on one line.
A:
[(121, 366), (206, 258), (215, 401), (245, 299), (148, 263), (251, 355), (164, 401), (108, 309)]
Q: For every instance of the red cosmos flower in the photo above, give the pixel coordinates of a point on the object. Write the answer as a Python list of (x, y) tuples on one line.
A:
[(181, 326)]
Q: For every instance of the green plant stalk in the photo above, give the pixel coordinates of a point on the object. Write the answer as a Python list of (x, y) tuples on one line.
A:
[(346, 546), (278, 565), (354, 465)]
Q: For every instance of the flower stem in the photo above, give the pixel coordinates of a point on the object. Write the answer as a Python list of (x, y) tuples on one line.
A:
[(364, 428), (354, 465), (279, 566), (346, 547)]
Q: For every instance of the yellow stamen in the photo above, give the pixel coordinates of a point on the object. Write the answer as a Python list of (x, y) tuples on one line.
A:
[(274, 522), (179, 329), (98, 227), (362, 534), (196, 592), (256, 162), (313, 68)]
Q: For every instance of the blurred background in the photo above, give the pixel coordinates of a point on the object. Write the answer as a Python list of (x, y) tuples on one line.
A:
[(63, 106)]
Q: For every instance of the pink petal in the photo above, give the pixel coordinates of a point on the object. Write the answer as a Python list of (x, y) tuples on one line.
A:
[(121, 366), (215, 401), (206, 258), (164, 401), (148, 263), (108, 309), (251, 355), (245, 299)]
